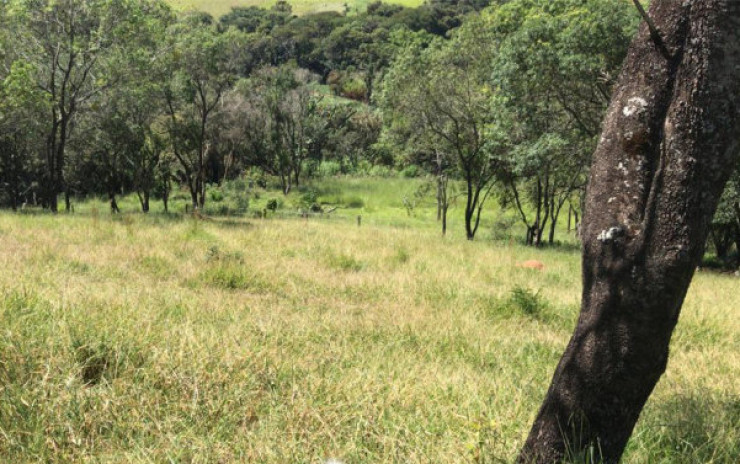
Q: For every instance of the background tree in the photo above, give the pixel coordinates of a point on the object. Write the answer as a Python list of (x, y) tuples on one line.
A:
[(668, 146), (277, 121), (444, 92), (542, 176), (67, 42), (22, 106), (725, 228), (202, 66), (556, 64)]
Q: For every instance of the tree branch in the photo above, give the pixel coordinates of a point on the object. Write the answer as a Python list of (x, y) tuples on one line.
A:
[(654, 32)]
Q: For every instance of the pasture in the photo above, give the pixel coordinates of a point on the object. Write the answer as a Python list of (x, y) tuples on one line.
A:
[(165, 338), (218, 8)]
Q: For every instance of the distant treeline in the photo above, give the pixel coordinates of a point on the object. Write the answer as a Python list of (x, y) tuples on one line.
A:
[(494, 99)]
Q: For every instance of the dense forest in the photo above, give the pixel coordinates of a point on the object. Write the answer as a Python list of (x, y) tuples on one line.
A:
[(494, 101)]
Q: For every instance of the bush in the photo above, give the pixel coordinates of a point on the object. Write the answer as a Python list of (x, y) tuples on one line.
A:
[(354, 89), (380, 171), (329, 169), (410, 171), (309, 199), (273, 204), (216, 195)]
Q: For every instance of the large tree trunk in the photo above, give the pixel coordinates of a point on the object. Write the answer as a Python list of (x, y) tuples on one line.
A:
[(668, 145)]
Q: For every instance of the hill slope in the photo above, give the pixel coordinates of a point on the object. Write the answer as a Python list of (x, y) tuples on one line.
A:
[(300, 7)]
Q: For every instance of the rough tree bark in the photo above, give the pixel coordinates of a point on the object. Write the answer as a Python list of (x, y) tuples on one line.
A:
[(669, 141)]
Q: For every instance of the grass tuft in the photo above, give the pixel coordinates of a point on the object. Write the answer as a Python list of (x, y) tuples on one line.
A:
[(526, 301)]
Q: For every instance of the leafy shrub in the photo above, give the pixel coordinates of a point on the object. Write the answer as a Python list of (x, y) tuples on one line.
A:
[(273, 204), (309, 198), (309, 201), (410, 171), (216, 196), (354, 89)]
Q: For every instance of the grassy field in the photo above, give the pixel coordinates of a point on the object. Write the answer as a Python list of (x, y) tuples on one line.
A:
[(389, 201), (300, 7), (166, 339)]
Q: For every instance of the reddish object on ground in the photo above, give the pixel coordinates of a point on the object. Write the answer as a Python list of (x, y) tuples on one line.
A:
[(532, 264)]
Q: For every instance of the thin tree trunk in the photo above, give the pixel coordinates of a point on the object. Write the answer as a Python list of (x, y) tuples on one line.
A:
[(553, 222), (444, 220), (520, 208), (166, 200), (59, 165), (440, 186), (202, 193), (194, 197), (570, 216), (668, 146), (737, 233), (143, 200), (537, 226), (443, 203), (113, 203), (469, 209)]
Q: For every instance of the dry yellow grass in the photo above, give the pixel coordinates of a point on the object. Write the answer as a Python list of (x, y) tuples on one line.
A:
[(172, 340)]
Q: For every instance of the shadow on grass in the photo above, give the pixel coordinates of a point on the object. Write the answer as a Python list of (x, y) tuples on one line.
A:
[(558, 246), (231, 223), (693, 428)]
